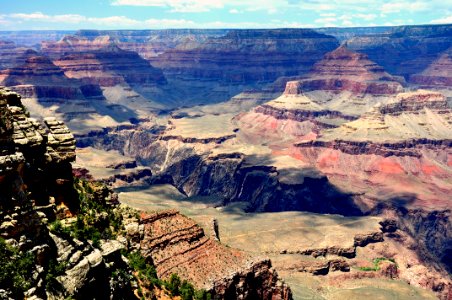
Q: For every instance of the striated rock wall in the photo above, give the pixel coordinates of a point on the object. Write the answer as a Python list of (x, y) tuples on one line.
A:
[(394, 49), (345, 70), (437, 74), (109, 66), (176, 244), (403, 148), (247, 56)]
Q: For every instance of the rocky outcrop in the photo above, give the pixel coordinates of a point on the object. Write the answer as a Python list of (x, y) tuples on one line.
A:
[(177, 244), (320, 267), (416, 103), (36, 182)]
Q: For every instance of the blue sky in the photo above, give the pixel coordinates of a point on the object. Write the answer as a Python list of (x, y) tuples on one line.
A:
[(155, 14)]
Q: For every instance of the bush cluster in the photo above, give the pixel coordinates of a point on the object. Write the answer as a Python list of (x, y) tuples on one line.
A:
[(15, 269), (174, 285), (376, 264), (95, 219)]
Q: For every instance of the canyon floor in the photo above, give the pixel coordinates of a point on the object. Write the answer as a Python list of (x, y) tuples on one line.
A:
[(276, 235)]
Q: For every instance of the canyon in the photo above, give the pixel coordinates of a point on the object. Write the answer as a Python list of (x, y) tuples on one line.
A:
[(309, 162)]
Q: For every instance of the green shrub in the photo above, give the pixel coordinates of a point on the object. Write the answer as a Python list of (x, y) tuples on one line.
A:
[(202, 295), (376, 264), (173, 285), (145, 271), (54, 270), (15, 269)]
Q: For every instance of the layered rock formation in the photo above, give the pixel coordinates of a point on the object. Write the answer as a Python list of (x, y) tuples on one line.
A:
[(247, 56), (394, 49), (110, 66), (437, 74), (178, 245), (150, 43), (339, 88), (11, 55), (74, 44), (39, 77), (345, 70), (49, 92), (398, 156)]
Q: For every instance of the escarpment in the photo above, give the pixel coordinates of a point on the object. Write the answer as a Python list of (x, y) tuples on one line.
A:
[(345, 70), (109, 66), (437, 74), (246, 56), (176, 244), (389, 49)]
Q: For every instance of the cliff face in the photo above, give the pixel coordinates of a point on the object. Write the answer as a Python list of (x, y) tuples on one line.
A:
[(247, 56), (394, 49), (178, 245), (150, 43), (345, 70), (110, 66), (24, 140), (437, 74), (340, 87), (39, 77), (11, 54)]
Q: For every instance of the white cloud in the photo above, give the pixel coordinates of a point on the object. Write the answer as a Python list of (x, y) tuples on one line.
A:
[(366, 17), (396, 7), (445, 20), (235, 11), (169, 23), (41, 20), (269, 6), (175, 5), (327, 20), (72, 19), (347, 23), (38, 16)]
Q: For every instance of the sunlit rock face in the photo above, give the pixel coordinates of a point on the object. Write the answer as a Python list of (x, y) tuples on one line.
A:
[(410, 135)]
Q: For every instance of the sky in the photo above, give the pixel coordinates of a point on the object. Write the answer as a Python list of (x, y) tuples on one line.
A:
[(157, 14)]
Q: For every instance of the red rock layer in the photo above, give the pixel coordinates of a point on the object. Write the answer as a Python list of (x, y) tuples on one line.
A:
[(176, 244)]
